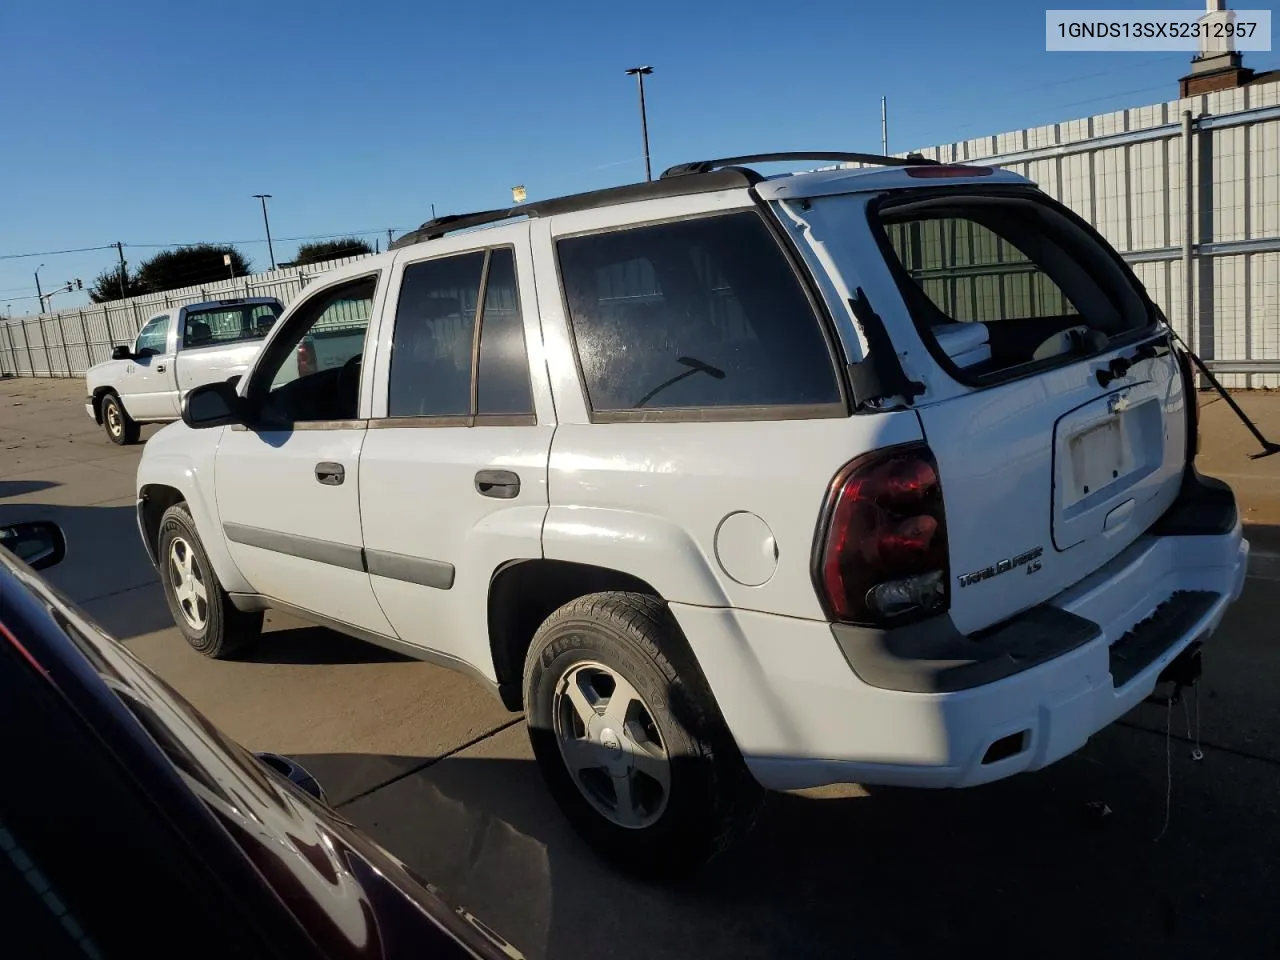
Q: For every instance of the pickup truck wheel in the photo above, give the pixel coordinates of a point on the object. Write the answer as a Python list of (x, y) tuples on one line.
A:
[(200, 607), (629, 739), (121, 428)]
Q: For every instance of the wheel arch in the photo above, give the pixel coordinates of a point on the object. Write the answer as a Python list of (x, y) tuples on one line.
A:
[(168, 483), (98, 395), (523, 593)]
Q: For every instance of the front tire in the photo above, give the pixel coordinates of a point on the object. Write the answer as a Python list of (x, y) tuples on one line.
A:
[(121, 428), (200, 607), (629, 739)]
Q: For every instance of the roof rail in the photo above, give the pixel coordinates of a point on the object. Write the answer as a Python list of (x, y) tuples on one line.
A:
[(875, 159), (702, 183)]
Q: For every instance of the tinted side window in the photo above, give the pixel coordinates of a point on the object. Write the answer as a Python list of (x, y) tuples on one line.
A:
[(433, 339), (152, 337), (502, 379), (701, 313)]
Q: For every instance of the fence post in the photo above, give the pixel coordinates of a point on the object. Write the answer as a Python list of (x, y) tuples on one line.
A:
[(13, 351), (62, 335), (137, 324), (1188, 233), (246, 287), (44, 343), (84, 332)]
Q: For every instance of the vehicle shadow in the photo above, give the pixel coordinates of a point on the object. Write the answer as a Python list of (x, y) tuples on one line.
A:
[(105, 556), (1127, 848), (1064, 862), (316, 645), (17, 488)]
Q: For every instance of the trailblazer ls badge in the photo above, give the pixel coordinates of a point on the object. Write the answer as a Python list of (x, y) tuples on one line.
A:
[(1031, 559)]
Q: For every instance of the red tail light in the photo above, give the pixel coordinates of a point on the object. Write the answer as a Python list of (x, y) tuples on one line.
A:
[(306, 358), (1193, 404), (881, 553)]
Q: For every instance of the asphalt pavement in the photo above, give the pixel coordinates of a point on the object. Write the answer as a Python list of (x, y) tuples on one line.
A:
[(1128, 848)]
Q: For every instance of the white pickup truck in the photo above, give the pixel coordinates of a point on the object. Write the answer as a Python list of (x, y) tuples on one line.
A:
[(177, 349)]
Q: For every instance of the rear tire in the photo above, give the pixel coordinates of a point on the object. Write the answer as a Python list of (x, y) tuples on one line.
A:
[(200, 607), (629, 738), (121, 428)]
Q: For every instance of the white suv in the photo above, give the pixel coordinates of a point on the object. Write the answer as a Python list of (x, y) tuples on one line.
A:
[(727, 481)]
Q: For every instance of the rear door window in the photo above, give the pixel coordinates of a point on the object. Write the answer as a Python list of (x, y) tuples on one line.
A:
[(694, 315), (450, 359), (1005, 285)]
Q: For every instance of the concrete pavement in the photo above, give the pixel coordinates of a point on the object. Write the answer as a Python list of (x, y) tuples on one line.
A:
[(431, 766)]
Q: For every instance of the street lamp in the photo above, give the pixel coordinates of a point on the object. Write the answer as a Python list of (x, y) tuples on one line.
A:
[(640, 73), (264, 197), (39, 292)]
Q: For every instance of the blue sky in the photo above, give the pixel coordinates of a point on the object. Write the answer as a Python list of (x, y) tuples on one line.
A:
[(153, 123)]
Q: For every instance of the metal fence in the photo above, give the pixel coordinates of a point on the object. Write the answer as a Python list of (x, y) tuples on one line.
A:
[(1188, 191), (68, 342)]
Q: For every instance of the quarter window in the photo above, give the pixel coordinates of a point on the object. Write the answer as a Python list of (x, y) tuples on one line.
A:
[(704, 313), (502, 376)]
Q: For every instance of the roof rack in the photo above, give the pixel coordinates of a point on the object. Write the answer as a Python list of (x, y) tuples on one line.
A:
[(652, 190), (874, 159), (700, 176)]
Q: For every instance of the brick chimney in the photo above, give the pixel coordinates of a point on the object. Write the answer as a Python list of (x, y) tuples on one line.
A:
[(1218, 65)]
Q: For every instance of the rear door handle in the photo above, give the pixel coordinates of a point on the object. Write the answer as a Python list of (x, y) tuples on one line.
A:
[(160, 368), (330, 474), (499, 484)]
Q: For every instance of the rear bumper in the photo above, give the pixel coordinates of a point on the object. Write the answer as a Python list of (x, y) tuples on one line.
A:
[(803, 717)]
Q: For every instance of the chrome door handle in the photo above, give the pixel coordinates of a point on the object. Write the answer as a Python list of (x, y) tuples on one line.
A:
[(159, 368), (330, 474), (499, 484)]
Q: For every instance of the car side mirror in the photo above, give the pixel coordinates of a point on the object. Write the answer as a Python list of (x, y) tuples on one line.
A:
[(213, 405), (122, 353), (37, 543)]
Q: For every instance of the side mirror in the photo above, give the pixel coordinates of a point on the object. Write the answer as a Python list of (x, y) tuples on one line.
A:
[(122, 353), (212, 405), (37, 543), (295, 773)]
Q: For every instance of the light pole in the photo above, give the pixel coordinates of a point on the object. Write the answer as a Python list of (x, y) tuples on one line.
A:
[(264, 197), (640, 73), (39, 292)]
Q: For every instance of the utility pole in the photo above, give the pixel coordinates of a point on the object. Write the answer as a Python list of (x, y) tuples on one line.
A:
[(884, 125), (640, 73), (264, 197), (389, 237), (39, 292), (433, 211), (123, 275)]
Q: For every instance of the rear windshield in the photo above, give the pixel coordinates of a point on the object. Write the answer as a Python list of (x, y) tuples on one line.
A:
[(1001, 286), (700, 314), (228, 324)]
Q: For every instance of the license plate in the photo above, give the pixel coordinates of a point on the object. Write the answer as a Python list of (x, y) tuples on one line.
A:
[(1098, 457)]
